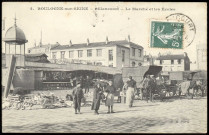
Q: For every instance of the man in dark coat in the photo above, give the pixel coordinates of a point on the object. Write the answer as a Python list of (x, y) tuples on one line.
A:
[(87, 84), (96, 98), (148, 85), (77, 96)]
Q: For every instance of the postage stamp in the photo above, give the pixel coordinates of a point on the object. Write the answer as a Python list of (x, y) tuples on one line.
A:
[(167, 34), (189, 27)]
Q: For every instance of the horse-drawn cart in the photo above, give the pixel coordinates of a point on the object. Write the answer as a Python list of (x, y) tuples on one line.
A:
[(138, 74)]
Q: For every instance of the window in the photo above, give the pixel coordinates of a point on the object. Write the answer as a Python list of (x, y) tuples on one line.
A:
[(99, 52), (123, 55), (80, 53), (54, 54), (179, 61), (28, 51), (70, 54), (172, 61), (110, 55), (133, 51), (140, 52), (161, 62), (133, 64), (89, 53), (62, 55)]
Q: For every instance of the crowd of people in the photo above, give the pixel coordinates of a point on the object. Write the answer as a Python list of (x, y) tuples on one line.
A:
[(105, 93)]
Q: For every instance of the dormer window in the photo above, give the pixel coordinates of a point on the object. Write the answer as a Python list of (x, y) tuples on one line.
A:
[(161, 62), (172, 61), (179, 61)]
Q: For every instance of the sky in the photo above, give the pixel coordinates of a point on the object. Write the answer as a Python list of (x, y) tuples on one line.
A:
[(78, 25)]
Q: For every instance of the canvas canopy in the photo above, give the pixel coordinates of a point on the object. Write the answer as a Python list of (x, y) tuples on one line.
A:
[(139, 73)]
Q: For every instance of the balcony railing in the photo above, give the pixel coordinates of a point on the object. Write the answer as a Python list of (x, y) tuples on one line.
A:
[(70, 61)]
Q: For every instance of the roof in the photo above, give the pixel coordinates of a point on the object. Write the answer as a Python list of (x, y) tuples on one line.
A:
[(170, 57), (45, 46), (96, 44), (36, 55), (15, 35)]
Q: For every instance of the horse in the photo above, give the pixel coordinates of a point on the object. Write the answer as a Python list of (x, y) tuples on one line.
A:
[(193, 85)]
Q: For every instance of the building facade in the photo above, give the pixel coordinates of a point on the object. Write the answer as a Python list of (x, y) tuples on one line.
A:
[(148, 60), (118, 54), (201, 57), (42, 49), (179, 62)]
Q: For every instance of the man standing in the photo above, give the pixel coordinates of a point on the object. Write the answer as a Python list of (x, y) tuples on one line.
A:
[(77, 96), (87, 84), (97, 96), (131, 88), (110, 97), (147, 86)]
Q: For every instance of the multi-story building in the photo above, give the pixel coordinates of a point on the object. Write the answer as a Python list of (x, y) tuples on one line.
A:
[(42, 49), (148, 60), (180, 62), (118, 54), (201, 57)]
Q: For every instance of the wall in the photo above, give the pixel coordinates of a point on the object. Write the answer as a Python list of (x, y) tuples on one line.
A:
[(167, 66), (201, 57), (104, 59), (119, 62), (24, 78)]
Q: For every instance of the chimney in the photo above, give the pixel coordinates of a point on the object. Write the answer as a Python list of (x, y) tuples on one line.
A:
[(87, 41), (35, 43), (107, 40), (40, 44), (70, 43), (129, 39), (185, 54), (159, 54)]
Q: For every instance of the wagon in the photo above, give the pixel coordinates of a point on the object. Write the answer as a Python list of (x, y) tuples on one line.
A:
[(138, 74), (190, 77)]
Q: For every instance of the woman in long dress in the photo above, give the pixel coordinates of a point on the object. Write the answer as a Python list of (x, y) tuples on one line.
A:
[(131, 87), (110, 97), (96, 98)]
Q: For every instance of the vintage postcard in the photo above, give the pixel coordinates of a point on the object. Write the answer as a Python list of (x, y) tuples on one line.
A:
[(104, 67)]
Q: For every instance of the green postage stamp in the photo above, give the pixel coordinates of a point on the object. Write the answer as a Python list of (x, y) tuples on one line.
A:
[(167, 34)]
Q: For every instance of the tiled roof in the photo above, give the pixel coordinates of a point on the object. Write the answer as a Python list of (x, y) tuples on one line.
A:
[(170, 57), (36, 55), (96, 44)]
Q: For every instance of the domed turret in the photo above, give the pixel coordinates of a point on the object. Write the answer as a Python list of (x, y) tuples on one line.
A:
[(15, 35)]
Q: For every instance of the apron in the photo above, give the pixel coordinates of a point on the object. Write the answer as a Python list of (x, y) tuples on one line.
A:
[(129, 96), (109, 99)]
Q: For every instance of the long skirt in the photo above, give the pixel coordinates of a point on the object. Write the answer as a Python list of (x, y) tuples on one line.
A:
[(129, 96), (110, 99), (95, 104)]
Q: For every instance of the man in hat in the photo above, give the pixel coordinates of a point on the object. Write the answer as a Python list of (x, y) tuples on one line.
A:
[(110, 97), (148, 86), (77, 96), (87, 84)]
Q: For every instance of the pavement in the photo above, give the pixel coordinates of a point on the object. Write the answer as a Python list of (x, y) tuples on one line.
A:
[(170, 116)]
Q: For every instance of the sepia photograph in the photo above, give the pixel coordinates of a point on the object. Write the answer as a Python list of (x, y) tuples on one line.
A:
[(104, 67)]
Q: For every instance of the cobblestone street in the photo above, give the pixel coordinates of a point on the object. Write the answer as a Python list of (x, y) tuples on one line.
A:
[(171, 116)]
